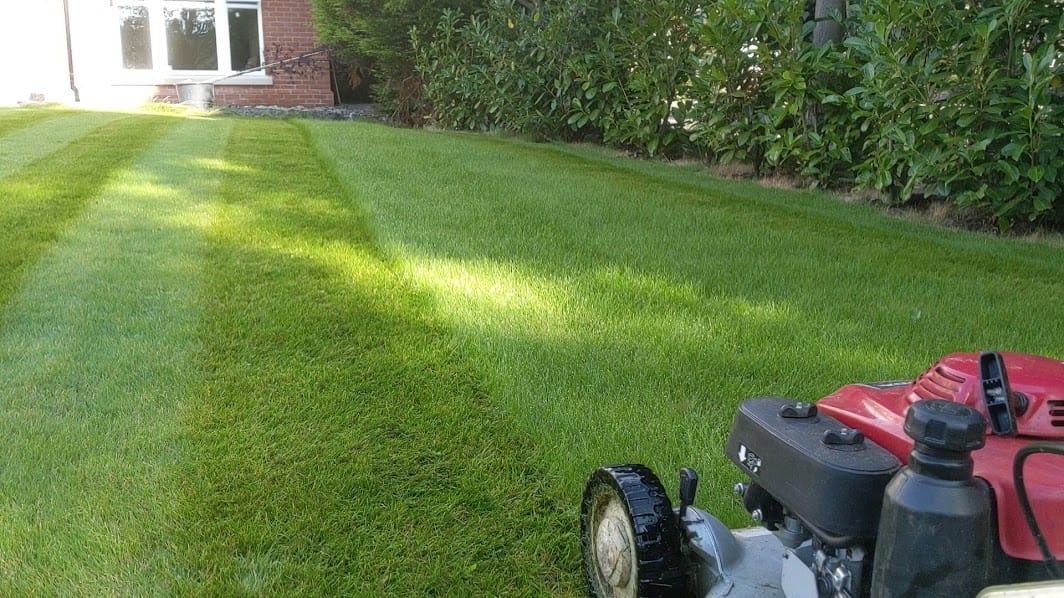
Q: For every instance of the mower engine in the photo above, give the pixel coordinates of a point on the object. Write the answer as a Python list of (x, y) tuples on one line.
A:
[(886, 490)]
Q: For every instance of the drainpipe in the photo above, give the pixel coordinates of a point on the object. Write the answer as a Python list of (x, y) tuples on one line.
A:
[(70, 51)]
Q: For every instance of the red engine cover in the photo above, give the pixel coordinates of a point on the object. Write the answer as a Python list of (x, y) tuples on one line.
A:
[(879, 410)]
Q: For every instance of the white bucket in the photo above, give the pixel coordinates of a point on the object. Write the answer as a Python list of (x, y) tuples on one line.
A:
[(197, 95)]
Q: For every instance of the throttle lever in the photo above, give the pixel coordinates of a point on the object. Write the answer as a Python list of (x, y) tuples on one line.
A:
[(997, 394)]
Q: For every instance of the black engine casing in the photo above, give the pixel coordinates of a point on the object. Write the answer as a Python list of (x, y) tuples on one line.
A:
[(834, 486)]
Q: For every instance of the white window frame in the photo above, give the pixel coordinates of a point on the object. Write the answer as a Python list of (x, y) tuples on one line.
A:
[(161, 73)]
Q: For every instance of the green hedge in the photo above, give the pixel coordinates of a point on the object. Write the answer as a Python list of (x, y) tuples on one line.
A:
[(927, 97), (620, 74)]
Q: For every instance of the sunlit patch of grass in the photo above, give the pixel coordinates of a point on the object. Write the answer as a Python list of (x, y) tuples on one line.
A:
[(168, 109), (492, 296), (225, 166)]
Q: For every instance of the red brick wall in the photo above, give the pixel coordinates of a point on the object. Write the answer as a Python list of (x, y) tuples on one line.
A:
[(287, 26)]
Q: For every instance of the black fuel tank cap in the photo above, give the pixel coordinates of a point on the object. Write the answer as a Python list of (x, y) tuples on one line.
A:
[(946, 425)]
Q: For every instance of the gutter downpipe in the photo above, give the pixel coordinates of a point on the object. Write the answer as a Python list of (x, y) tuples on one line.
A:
[(70, 51)]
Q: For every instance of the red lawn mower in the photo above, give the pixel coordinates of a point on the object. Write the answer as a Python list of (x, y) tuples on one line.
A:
[(950, 485)]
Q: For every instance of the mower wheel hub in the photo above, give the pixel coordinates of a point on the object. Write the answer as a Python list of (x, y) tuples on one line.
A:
[(613, 546)]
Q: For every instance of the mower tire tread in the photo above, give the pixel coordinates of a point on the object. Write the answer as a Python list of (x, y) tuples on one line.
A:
[(660, 560)]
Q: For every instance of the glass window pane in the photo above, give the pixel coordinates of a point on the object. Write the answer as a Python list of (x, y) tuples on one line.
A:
[(136, 37), (244, 38), (191, 39)]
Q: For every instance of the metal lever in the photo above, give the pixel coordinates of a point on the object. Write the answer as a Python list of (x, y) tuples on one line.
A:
[(688, 487), (997, 395)]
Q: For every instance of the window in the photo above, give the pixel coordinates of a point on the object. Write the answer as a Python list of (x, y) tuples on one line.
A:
[(244, 47), (136, 39), (186, 37), (191, 41)]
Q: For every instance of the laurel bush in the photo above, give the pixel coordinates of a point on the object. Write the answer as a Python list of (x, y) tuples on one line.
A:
[(962, 102)]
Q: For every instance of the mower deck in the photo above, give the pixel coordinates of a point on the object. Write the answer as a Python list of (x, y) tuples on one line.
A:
[(741, 563)]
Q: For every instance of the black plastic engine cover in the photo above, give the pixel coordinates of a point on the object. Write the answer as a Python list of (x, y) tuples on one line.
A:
[(829, 476)]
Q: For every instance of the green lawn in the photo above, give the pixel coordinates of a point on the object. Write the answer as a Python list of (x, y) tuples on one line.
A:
[(286, 358)]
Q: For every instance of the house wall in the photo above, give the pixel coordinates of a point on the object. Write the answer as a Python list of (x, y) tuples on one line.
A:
[(288, 30), (34, 60), (97, 56)]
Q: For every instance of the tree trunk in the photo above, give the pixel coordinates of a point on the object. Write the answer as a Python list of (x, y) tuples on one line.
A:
[(827, 29)]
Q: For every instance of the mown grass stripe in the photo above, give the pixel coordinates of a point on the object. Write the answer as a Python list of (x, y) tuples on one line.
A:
[(95, 357), (42, 198), (341, 446), (41, 138), (12, 119)]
